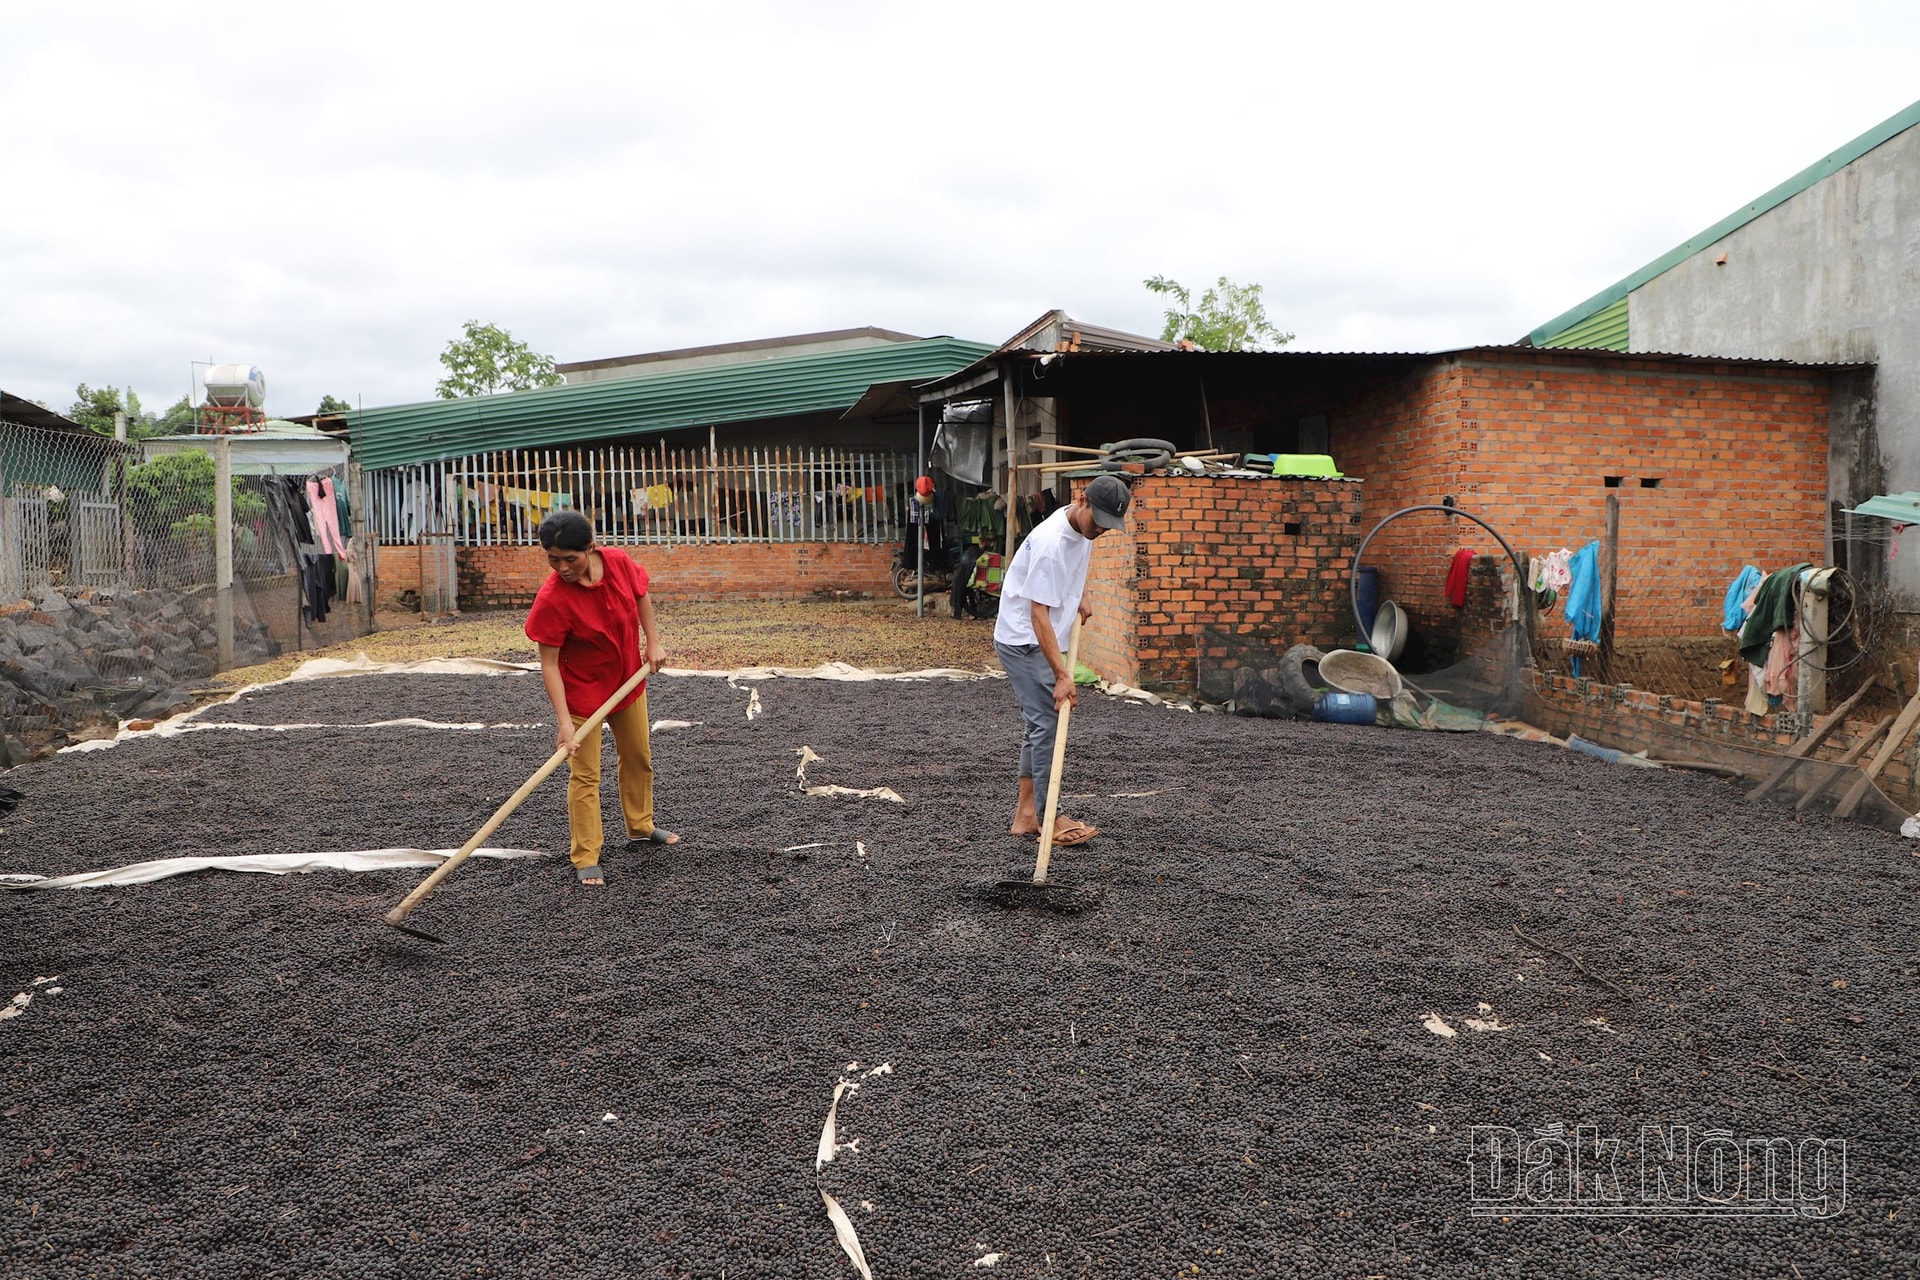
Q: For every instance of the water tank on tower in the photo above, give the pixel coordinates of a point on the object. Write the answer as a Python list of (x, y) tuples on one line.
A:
[(236, 386), (235, 394)]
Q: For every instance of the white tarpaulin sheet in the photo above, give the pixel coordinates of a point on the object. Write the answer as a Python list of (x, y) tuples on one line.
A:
[(278, 864)]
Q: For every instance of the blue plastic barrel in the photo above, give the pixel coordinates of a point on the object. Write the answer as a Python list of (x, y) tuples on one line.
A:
[(1345, 708), (1367, 579)]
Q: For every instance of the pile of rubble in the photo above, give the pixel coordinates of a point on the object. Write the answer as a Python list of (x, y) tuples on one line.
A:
[(72, 659)]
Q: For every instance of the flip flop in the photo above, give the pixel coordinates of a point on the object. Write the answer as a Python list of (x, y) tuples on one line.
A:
[(1078, 833), (655, 836), (584, 874)]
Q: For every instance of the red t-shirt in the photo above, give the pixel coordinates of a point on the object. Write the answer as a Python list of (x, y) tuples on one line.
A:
[(596, 628)]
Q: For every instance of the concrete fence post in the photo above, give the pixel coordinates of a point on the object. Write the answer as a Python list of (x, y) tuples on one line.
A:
[(223, 549)]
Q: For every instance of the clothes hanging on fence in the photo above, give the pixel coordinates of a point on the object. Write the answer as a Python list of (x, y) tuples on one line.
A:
[(981, 516), (1457, 575), (1734, 613), (325, 516), (1583, 607), (660, 496), (1772, 611), (316, 585), (293, 501), (783, 508)]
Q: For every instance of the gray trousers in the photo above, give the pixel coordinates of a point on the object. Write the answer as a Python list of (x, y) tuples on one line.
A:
[(1032, 681)]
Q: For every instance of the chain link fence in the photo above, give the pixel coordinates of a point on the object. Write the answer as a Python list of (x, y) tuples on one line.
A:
[(111, 604)]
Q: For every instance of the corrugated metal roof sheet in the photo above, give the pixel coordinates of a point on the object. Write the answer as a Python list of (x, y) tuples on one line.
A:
[(1825, 167), (1605, 329), (400, 434), (1517, 351)]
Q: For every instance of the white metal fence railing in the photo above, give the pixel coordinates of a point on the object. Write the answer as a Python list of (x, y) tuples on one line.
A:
[(636, 494)]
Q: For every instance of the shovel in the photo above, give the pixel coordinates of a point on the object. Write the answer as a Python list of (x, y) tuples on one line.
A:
[(588, 730), (1039, 891)]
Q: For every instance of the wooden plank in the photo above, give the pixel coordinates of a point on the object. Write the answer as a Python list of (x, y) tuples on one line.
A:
[(1803, 748), (1896, 738), (1853, 753)]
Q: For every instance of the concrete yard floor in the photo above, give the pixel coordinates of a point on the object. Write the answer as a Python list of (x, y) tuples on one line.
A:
[(1226, 1069)]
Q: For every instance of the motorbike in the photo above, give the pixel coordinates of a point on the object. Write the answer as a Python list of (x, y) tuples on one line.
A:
[(906, 574), (976, 582)]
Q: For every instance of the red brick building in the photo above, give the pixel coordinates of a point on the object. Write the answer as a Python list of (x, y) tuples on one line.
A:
[(1715, 464)]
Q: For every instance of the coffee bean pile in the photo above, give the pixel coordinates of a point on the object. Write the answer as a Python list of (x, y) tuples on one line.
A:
[(1226, 1070)]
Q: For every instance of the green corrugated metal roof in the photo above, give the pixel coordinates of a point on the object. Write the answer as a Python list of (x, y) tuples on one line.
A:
[(648, 404), (1903, 508), (1604, 330), (1823, 168)]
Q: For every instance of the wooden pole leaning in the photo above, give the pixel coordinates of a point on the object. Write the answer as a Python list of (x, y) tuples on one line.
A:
[(1059, 762), (588, 731)]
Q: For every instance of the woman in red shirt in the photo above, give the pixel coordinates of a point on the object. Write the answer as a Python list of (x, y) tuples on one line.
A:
[(589, 620)]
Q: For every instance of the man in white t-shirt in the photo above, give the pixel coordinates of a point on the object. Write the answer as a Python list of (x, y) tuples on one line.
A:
[(1039, 596)]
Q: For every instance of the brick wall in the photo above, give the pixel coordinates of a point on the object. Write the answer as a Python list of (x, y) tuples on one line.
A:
[(1266, 561), (1527, 440), (1634, 720), (508, 577)]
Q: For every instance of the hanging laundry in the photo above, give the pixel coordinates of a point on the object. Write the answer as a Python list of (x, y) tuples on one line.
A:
[(1457, 574), (642, 504), (1772, 611), (1739, 591), (659, 496), (316, 585), (1583, 592), (325, 516)]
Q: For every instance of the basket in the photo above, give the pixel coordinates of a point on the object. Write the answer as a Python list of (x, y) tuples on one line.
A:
[(1351, 671)]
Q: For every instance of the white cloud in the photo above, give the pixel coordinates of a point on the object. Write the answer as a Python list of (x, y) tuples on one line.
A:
[(330, 193)]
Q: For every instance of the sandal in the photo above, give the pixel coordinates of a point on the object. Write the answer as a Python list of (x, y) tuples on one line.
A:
[(1078, 833), (656, 836), (584, 874)]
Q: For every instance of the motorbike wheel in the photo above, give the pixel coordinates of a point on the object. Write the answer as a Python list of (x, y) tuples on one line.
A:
[(905, 581), (982, 605)]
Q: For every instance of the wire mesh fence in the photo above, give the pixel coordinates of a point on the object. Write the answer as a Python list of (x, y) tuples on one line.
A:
[(111, 582), (1655, 618), (636, 494)]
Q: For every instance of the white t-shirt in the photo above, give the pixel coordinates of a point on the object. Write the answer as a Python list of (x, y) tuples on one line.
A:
[(1050, 567)]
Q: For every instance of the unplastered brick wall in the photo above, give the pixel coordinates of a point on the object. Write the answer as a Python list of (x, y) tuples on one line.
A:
[(1632, 719), (508, 577), (1718, 465), (1266, 561)]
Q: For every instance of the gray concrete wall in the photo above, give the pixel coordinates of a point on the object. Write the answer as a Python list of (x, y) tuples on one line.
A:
[(576, 376), (1832, 275)]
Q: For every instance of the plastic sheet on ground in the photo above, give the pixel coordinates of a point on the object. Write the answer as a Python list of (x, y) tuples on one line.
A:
[(362, 665), (278, 864), (180, 724)]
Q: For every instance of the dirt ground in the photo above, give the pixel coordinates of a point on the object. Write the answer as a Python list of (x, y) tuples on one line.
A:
[(715, 635), (1221, 1071)]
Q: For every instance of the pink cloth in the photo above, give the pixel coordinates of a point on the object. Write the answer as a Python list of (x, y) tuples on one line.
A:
[(326, 517), (1779, 673)]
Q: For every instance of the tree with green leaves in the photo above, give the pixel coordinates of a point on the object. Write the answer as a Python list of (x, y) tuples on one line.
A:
[(94, 407), (1229, 317), (329, 404), (178, 420), (173, 493), (489, 360)]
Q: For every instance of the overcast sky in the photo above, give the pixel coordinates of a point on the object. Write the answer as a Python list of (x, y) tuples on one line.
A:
[(329, 191)]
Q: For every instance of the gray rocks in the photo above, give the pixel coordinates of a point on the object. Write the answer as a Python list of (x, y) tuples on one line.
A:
[(73, 659)]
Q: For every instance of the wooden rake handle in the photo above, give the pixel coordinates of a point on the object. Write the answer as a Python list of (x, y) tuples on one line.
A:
[(1059, 761), (587, 729)]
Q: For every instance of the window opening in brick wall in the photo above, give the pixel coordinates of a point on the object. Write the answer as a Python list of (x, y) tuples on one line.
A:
[(1649, 482), (1290, 527), (1612, 482)]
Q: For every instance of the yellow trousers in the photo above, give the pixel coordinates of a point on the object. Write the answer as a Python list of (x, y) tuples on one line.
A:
[(634, 750)]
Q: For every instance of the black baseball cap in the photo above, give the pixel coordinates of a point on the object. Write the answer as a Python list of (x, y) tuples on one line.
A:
[(1108, 496)]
